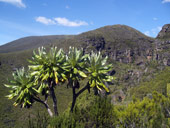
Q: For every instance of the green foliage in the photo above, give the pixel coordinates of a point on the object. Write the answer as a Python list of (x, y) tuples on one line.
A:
[(97, 69), (47, 66), (75, 66), (168, 89), (22, 87), (45, 72), (99, 114), (158, 83), (39, 121), (149, 112), (67, 120), (48, 69)]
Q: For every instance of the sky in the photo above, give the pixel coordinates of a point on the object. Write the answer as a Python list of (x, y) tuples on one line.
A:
[(21, 18)]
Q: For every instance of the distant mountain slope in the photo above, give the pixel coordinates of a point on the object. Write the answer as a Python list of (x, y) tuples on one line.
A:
[(120, 42), (117, 32), (30, 43)]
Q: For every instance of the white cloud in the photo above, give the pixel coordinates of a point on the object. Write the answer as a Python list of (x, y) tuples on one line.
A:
[(17, 3), (155, 18), (45, 20), (153, 32), (166, 1), (65, 22), (156, 30), (60, 21), (78, 33), (147, 33), (159, 28)]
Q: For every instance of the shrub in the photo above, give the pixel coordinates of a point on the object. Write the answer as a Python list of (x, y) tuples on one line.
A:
[(150, 112)]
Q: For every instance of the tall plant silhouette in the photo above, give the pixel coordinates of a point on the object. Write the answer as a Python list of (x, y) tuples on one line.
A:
[(75, 67), (47, 71), (93, 66)]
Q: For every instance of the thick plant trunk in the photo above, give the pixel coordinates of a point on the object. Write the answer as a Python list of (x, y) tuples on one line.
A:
[(75, 95), (54, 101), (74, 99), (45, 104)]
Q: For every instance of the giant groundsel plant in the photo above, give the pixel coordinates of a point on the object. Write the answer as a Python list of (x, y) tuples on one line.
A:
[(47, 71), (98, 72), (75, 67)]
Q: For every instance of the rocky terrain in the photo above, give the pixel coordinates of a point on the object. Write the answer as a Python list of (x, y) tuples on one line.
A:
[(131, 46), (162, 45)]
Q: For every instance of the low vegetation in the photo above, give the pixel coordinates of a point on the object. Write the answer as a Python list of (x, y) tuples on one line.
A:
[(158, 83), (150, 112)]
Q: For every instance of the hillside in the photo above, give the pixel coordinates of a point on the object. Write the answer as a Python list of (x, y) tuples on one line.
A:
[(112, 35), (31, 43), (136, 58), (120, 42)]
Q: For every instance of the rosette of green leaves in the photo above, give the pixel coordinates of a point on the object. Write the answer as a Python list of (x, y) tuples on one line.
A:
[(22, 88), (75, 66), (47, 68), (98, 71)]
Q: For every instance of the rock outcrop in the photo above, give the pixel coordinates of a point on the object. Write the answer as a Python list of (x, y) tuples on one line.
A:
[(126, 45), (165, 32), (162, 45), (121, 43)]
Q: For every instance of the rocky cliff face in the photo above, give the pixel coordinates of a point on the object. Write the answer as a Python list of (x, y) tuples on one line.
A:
[(121, 43), (162, 45), (165, 32), (148, 55), (133, 47)]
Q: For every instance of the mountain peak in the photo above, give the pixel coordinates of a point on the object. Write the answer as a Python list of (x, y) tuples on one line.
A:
[(165, 32)]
